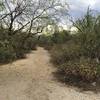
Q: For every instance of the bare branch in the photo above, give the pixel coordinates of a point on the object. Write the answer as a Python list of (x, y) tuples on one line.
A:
[(18, 30)]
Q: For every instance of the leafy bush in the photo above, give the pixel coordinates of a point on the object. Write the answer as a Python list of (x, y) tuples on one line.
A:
[(45, 41), (88, 34), (84, 69), (69, 59), (65, 52), (22, 47), (7, 54), (61, 37), (14, 47)]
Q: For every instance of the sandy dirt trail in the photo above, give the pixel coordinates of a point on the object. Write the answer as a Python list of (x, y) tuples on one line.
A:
[(32, 79)]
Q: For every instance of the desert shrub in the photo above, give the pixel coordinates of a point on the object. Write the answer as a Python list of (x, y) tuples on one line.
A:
[(65, 52), (45, 41), (84, 69), (88, 34), (61, 37), (21, 46), (58, 37), (14, 47), (31, 43), (69, 59), (7, 54)]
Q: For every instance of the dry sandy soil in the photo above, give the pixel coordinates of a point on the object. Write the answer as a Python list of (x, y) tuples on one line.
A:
[(32, 79)]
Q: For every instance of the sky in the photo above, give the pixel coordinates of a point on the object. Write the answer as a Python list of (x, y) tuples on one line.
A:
[(79, 7)]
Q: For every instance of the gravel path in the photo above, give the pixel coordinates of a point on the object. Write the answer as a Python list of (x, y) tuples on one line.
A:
[(32, 79)]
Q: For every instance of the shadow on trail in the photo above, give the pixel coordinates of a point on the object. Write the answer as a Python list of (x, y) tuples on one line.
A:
[(72, 81)]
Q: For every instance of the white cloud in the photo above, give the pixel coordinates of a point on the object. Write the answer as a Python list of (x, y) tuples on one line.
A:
[(82, 3), (79, 7), (88, 2)]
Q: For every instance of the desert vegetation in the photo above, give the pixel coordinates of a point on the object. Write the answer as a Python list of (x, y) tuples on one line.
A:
[(76, 55), (21, 22), (49, 50)]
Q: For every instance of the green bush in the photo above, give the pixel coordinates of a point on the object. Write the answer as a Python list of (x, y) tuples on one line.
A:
[(88, 34), (61, 37), (85, 69), (58, 37), (45, 41), (14, 47), (69, 59), (65, 52), (7, 54)]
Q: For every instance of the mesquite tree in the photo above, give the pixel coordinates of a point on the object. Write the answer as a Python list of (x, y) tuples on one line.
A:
[(31, 16)]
